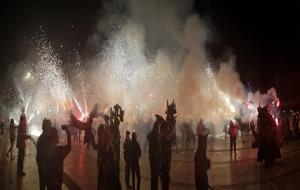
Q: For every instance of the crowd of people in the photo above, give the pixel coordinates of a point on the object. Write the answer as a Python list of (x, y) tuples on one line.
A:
[(50, 156), (290, 126), (132, 153)]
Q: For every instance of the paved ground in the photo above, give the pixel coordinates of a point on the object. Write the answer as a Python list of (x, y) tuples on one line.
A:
[(227, 172)]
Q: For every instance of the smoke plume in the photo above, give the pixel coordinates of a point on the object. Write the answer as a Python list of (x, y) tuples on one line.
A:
[(148, 52)]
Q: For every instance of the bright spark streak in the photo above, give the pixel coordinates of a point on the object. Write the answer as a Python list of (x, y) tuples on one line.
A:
[(30, 118), (63, 104), (225, 96), (86, 108), (57, 108), (78, 106), (26, 107), (227, 100)]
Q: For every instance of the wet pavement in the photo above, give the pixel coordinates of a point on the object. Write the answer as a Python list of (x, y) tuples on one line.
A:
[(226, 172)]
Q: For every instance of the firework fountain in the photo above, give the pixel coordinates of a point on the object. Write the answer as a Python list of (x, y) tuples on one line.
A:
[(43, 89), (154, 52)]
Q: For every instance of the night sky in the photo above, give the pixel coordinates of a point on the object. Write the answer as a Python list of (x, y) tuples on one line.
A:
[(265, 37)]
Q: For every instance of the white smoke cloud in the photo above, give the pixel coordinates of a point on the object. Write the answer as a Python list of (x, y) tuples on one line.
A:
[(150, 51), (159, 53)]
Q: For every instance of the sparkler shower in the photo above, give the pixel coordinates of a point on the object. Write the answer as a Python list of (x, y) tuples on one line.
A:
[(152, 52)]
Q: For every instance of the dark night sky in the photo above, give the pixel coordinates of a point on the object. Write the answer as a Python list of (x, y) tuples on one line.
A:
[(265, 37)]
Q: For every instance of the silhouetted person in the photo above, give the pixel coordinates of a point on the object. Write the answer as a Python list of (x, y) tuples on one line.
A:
[(55, 157), (42, 148), (21, 144), (201, 130), (100, 148), (88, 133), (296, 125), (284, 127), (254, 133), (268, 149), (135, 154), (79, 136), (116, 117), (107, 174), (74, 133), (185, 135), (2, 127), (12, 137), (153, 154), (171, 122), (225, 130), (189, 135), (164, 156), (86, 126), (233, 130), (126, 148), (202, 164)]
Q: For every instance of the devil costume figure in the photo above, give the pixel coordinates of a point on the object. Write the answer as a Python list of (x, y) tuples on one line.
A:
[(165, 140), (107, 175), (153, 152), (116, 117), (268, 148), (86, 126), (164, 156)]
